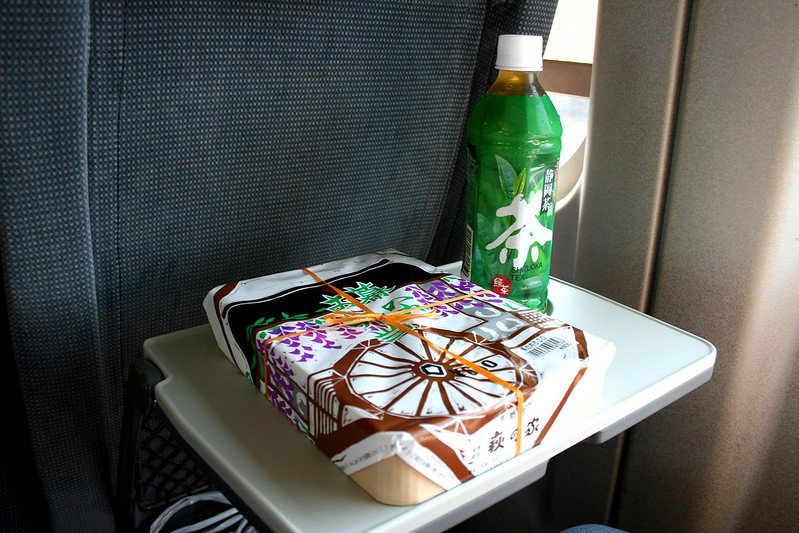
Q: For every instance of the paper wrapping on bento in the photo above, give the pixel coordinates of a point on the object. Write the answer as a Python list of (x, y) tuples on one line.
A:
[(366, 392)]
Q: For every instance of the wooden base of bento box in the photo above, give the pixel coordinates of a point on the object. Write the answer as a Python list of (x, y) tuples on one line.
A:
[(392, 481)]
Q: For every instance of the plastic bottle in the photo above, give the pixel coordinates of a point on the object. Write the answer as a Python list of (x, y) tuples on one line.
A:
[(514, 142)]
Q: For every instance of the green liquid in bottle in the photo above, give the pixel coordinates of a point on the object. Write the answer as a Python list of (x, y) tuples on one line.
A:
[(514, 142)]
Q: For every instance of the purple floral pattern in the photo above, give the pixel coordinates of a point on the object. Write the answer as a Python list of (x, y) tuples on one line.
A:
[(281, 404), (283, 407), (310, 335), (441, 291), (279, 363), (277, 379), (466, 286), (348, 332), (422, 297)]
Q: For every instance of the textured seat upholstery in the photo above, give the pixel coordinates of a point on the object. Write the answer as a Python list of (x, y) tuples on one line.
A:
[(152, 150)]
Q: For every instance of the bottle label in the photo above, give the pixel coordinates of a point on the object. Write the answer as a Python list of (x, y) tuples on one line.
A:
[(510, 217)]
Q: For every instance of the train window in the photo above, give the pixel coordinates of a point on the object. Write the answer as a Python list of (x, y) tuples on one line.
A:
[(568, 59)]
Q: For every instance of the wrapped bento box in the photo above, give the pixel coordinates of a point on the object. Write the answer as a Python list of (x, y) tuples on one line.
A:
[(412, 380)]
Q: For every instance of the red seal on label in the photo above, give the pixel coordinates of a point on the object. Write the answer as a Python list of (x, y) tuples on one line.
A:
[(501, 285)]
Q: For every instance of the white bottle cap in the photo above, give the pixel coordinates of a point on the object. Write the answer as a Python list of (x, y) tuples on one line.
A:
[(520, 52)]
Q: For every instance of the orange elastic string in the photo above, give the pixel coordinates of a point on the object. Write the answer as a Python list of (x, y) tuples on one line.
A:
[(397, 319), (348, 318)]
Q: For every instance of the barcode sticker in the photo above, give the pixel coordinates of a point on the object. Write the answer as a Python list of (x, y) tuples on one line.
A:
[(466, 269), (547, 346)]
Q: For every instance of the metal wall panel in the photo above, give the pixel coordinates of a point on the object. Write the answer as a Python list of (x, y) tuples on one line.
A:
[(725, 458), (638, 62), (637, 67)]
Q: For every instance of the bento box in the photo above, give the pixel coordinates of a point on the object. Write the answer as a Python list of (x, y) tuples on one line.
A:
[(410, 379)]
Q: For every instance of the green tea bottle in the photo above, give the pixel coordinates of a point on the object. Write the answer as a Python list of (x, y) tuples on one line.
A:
[(514, 141)]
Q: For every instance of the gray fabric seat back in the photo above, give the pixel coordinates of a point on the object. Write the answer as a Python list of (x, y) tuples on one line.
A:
[(152, 150)]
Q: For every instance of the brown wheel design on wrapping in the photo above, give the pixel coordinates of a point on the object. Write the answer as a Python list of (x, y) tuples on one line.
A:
[(410, 379)]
